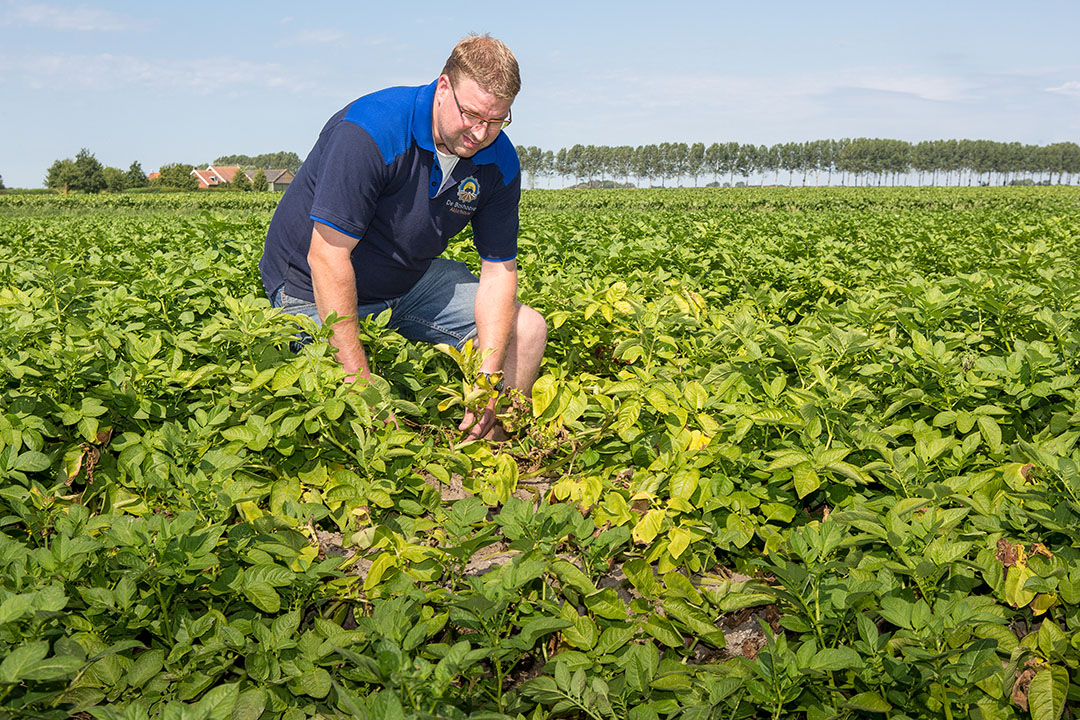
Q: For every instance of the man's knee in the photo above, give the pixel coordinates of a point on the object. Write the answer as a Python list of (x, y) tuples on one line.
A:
[(531, 326)]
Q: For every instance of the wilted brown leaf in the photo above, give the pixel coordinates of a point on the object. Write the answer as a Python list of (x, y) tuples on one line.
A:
[(1020, 689), (88, 459), (1007, 553), (1023, 684)]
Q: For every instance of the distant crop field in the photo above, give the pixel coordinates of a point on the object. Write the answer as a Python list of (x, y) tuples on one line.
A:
[(793, 453)]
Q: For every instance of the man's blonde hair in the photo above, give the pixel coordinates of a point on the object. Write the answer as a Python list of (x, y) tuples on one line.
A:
[(488, 62)]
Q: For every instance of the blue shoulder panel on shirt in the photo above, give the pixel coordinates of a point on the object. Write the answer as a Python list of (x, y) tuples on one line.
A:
[(502, 154), (387, 117)]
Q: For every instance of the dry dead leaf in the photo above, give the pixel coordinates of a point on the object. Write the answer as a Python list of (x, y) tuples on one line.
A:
[(1040, 549), (1007, 553), (1023, 684)]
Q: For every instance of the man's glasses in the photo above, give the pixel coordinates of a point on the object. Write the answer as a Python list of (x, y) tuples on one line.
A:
[(477, 119)]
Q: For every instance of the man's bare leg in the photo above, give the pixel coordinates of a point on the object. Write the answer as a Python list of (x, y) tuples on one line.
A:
[(522, 363)]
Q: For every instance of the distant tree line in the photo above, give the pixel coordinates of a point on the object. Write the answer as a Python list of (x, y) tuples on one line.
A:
[(84, 173), (268, 161), (858, 161), (855, 161)]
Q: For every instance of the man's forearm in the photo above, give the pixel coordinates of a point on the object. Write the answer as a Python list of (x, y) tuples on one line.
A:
[(496, 299), (334, 285), (332, 296)]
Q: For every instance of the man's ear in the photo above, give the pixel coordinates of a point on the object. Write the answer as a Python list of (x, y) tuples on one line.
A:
[(443, 85)]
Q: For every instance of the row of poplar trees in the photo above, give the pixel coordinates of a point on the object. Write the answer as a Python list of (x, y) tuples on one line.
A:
[(858, 161)]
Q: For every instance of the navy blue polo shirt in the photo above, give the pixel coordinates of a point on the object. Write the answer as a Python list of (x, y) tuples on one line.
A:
[(373, 175)]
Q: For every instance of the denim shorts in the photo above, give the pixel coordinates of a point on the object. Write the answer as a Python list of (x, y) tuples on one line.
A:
[(438, 309)]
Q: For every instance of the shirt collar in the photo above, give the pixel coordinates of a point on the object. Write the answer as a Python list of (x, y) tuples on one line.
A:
[(422, 116)]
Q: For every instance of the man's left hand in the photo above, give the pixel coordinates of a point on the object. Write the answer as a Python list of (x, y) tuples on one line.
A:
[(479, 425)]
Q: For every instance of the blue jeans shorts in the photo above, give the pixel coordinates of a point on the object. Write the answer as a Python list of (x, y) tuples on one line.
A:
[(438, 309)]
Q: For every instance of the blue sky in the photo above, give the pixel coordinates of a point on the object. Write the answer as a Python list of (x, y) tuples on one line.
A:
[(189, 82)]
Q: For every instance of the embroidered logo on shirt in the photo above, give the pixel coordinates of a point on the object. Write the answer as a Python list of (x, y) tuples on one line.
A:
[(468, 190)]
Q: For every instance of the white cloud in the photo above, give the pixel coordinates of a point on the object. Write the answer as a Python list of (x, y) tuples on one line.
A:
[(627, 107), (662, 106), (936, 88), (56, 17), (1070, 88), (107, 72)]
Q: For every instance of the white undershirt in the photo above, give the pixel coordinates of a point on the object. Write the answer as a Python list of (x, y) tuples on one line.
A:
[(447, 163)]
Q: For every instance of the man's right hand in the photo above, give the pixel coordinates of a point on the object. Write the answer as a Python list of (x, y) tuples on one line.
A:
[(334, 284)]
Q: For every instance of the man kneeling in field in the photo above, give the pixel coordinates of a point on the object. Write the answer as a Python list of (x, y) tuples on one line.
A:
[(393, 176)]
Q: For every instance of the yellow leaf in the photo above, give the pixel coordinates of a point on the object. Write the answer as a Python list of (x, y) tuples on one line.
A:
[(1015, 594), (543, 392), (613, 509), (616, 292), (1016, 475), (73, 460), (648, 527), (304, 560), (1043, 602), (249, 511), (384, 562), (698, 440), (678, 540)]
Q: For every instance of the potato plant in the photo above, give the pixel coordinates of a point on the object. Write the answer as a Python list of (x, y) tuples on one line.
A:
[(793, 453)]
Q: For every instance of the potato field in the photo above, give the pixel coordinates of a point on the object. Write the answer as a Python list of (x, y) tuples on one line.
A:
[(794, 453)]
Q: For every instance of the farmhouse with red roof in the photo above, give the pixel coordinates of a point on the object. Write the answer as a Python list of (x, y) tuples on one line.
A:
[(214, 176)]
